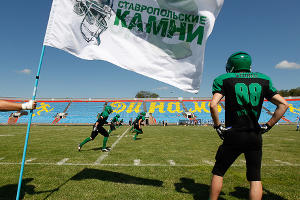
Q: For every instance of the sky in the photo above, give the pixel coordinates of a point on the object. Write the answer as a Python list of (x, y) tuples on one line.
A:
[(268, 30)]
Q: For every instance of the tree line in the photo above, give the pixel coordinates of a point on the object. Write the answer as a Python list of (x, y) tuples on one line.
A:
[(292, 92)]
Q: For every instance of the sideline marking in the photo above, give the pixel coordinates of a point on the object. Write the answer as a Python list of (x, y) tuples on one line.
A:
[(7, 135), (105, 154), (137, 162), (62, 161)]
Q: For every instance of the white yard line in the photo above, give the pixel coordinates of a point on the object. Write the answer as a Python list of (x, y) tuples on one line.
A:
[(284, 163), (63, 161), (145, 165), (6, 135), (105, 154), (208, 162), (1, 158)]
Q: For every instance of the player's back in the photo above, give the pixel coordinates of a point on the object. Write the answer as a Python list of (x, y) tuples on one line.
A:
[(244, 95), (102, 119)]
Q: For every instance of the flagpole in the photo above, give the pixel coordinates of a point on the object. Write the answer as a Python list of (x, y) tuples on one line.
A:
[(29, 122)]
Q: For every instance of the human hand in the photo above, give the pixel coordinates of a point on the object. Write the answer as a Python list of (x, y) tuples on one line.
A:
[(30, 105), (221, 130), (264, 128)]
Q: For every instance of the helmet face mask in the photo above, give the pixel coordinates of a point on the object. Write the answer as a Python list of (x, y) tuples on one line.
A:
[(96, 13), (239, 61)]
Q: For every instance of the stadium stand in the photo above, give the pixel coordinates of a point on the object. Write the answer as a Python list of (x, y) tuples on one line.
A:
[(172, 110)]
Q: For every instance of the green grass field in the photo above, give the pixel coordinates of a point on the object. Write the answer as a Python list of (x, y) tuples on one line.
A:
[(172, 162)]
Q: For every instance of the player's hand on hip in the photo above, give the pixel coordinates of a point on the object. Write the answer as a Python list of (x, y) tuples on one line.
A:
[(221, 130), (264, 128)]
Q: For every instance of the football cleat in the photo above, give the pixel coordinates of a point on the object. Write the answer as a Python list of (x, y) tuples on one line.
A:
[(105, 150), (79, 147)]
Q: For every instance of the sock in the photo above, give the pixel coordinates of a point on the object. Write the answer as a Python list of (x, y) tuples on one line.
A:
[(135, 136), (104, 142), (109, 131), (85, 141), (137, 131)]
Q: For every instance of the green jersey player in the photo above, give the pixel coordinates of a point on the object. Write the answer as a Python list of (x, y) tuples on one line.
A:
[(298, 122), (137, 124), (138, 116), (113, 123), (98, 128), (244, 93)]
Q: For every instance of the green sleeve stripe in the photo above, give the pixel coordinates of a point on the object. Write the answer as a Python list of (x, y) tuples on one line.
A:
[(218, 82)]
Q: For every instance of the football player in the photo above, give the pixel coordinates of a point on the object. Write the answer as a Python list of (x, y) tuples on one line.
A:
[(98, 128), (113, 123), (137, 124), (298, 122), (244, 93)]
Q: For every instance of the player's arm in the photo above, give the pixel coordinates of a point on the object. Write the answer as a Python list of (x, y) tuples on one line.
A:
[(140, 121), (99, 119), (282, 106), (9, 106), (214, 108)]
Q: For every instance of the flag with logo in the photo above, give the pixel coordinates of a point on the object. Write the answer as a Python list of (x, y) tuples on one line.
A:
[(161, 39)]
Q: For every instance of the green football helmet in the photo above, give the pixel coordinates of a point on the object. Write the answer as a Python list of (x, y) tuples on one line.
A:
[(143, 113), (239, 61), (108, 109), (117, 115)]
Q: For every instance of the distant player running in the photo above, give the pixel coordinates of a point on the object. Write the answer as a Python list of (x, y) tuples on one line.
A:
[(298, 122), (244, 93), (132, 125), (113, 123), (137, 124), (120, 123), (98, 128)]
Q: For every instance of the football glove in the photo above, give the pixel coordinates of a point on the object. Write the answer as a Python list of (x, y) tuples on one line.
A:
[(264, 128), (95, 128), (221, 130)]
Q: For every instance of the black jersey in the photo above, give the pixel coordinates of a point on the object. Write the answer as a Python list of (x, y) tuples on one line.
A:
[(102, 119), (244, 95), (137, 119)]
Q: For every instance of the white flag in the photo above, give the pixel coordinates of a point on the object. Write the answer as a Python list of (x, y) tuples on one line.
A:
[(161, 39)]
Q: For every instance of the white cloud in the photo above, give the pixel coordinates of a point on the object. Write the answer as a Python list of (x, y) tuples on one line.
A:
[(287, 65), (161, 88), (25, 71)]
